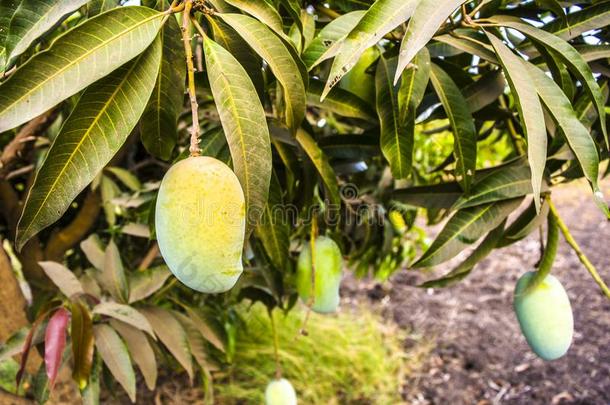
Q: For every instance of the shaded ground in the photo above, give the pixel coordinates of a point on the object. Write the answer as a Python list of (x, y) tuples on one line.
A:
[(481, 356)]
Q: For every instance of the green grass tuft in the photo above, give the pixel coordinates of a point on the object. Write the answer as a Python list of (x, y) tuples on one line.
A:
[(349, 358)]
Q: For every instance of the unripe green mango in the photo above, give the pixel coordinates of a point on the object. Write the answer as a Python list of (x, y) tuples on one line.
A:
[(545, 316), (200, 222), (328, 269), (280, 392)]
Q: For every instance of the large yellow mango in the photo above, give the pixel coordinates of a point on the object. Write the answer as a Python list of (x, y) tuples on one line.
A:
[(280, 392), (328, 270), (545, 316), (200, 223)]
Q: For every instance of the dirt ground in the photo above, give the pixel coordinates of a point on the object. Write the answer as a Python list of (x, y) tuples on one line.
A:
[(481, 356)]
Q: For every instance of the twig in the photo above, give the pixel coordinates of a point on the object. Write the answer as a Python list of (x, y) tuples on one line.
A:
[(186, 37), (581, 256), (20, 171), (151, 255)]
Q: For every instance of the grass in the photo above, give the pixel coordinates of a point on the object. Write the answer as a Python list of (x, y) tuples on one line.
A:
[(349, 358)]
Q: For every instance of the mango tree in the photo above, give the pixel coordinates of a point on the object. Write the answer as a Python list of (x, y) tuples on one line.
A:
[(256, 150)]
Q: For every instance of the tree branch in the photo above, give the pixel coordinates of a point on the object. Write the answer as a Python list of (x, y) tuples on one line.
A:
[(16, 147), (60, 241)]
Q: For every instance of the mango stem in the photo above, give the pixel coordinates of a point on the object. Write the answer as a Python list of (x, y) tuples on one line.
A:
[(581, 256), (186, 38), (276, 347)]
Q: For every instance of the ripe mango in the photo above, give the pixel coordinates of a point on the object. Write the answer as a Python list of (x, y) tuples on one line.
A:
[(545, 316), (280, 392), (200, 222), (328, 269)]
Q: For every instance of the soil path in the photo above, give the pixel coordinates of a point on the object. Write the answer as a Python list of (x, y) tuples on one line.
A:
[(481, 356)]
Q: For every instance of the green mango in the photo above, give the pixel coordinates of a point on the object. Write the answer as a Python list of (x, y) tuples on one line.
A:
[(545, 316), (358, 81), (200, 223), (280, 392), (328, 270)]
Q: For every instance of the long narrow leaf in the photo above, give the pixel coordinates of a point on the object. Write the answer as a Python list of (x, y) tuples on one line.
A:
[(530, 112), (78, 58), (244, 124), (95, 130)]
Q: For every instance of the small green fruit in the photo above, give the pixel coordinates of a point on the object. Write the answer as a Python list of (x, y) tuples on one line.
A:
[(280, 392), (200, 223), (545, 316), (328, 269)]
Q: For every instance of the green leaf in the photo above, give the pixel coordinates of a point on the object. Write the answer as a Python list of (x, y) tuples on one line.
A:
[(484, 91), (172, 335), (524, 224), (470, 42), (462, 124), (579, 22), (81, 333), (124, 313), (116, 357), (112, 276), (576, 134), (321, 48), (555, 8), (6, 13), (320, 161), (63, 278), (427, 18), (397, 137), (144, 283), (205, 330), (438, 196), (126, 177), (140, 350), (339, 101), (593, 52), (503, 184), (568, 55), (464, 228), (464, 268), (91, 393), (274, 228), (382, 17), (95, 7), (414, 81), (94, 251), (530, 111), (93, 133), (280, 60), (244, 124), (159, 122), (550, 251), (78, 58), (230, 40), (262, 11), (32, 19)]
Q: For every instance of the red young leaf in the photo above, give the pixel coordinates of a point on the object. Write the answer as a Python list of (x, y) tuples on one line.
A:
[(54, 343)]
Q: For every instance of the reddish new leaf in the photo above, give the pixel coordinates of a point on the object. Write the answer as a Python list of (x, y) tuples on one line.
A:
[(54, 343)]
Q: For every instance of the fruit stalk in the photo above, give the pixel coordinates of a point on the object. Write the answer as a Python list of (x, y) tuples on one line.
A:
[(186, 37), (581, 256), (276, 347)]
